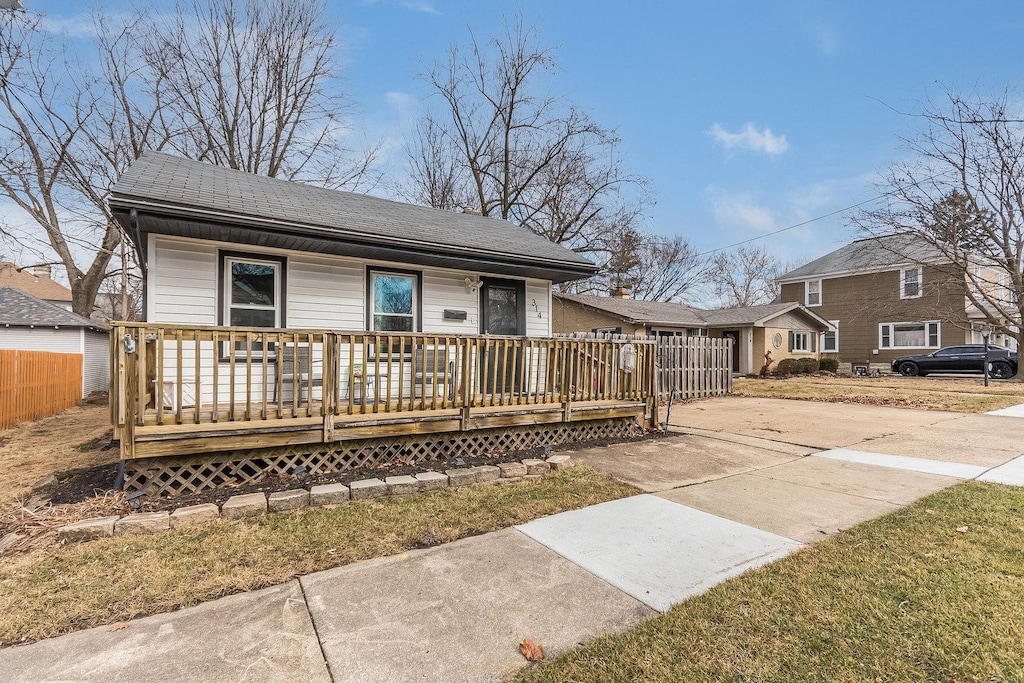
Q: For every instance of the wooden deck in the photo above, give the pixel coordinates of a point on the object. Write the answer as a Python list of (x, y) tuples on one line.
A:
[(179, 391)]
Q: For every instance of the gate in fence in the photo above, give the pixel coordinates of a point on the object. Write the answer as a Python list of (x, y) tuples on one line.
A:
[(686, 367)]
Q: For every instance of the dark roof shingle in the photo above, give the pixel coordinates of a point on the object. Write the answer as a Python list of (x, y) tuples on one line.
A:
[(176, 186), (872, 253), (18, 309)]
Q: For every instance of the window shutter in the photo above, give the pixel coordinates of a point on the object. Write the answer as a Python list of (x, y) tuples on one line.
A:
[(814, 342), (791, 335)]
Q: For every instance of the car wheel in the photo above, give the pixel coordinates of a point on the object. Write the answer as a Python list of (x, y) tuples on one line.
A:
[(1001, 370), (909, 369)]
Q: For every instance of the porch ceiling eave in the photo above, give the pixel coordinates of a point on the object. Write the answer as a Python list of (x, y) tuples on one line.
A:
[(309, 239)]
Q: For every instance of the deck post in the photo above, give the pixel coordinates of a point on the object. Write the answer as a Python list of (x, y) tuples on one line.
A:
[(131, 396), (466, 383), (331, 375)]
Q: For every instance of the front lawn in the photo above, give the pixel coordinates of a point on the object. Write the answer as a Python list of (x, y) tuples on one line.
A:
[(959, 395), (934, 592), (49, 592)]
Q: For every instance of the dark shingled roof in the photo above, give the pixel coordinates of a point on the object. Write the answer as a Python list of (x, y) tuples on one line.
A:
[(681, 315), (870, 254), (641, 312), (293, 215), (18, 309)]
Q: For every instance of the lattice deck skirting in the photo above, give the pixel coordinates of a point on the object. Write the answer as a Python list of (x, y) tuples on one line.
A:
[(176, 475)]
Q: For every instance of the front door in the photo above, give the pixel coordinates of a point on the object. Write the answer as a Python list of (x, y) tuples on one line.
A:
[(502, 313), (735, 336)]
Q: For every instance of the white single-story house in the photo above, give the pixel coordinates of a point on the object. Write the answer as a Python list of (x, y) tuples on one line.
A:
[(31, 324), (278, 314)]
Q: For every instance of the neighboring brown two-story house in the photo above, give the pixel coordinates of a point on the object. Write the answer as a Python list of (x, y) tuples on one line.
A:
[(886, 297)]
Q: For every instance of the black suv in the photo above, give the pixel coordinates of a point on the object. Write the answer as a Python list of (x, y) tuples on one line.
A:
[(966, 358)]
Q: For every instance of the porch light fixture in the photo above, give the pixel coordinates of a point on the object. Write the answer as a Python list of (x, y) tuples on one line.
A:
[(986, 331), (473, 285)]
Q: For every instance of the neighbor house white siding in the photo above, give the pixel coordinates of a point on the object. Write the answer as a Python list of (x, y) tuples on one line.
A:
[(92, 345), (95, 361)]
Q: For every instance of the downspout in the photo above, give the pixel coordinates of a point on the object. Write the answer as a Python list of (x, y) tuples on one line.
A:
[(140, 253)]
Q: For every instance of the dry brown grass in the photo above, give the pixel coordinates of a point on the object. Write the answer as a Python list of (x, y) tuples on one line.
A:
[(926, 393), (934, 592), (33, 450), (47, 593)]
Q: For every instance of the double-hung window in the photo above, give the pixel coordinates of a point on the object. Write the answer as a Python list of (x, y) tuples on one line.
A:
[(909, 335), (910, 283), (393, 301), (812, 293), (830, 339), (253, 294), (800, 342)]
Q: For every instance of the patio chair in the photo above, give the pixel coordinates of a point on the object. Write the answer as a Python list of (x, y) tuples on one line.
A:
[(287, 359), (428, 369)]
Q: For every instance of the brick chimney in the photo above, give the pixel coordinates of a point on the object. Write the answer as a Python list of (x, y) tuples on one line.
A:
[(41, 271), (621, 292)]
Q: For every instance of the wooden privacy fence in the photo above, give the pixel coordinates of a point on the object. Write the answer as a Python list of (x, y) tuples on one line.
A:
[(695, 367), (34, 384)]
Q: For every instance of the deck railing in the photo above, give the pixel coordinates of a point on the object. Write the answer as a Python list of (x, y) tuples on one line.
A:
[(191, 375)]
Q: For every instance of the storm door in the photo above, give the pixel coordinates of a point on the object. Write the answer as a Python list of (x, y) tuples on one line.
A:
[(502, 314)]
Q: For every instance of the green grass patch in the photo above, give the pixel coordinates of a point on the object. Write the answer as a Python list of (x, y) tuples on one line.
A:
[(906, 597), (87, 446), (79, 586)]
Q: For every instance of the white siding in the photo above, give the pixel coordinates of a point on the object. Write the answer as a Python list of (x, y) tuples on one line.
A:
[(96, 362), (538, 308), (183, 282), (325, 292), (63, 340), (321, 292), (447, 290)]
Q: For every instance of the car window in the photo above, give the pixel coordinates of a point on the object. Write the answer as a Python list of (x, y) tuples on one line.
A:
[(950, 351)]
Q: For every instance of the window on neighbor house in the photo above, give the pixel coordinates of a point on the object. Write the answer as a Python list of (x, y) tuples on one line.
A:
[(830, 339), (910, 283), (812, 293), (800, 342), (253, 294), (393, 299), (909, 335)]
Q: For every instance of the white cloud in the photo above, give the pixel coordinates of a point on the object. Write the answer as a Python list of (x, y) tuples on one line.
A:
[(825, 37), (740, 211), (750, 138), (424, 6)]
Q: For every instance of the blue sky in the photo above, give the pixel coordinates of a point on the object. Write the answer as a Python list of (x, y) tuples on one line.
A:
[(746, 117)]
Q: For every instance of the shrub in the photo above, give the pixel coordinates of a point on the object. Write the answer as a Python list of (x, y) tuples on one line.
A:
[(788, 366), (829, 364), (808, 365)]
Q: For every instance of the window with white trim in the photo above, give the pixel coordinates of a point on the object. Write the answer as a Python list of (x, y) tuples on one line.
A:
[(830, 339), (910, 283), (909, 335), (393, 301), (812, 293), (800, 342)]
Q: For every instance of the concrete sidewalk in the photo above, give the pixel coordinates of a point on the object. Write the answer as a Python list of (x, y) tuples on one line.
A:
[(719, 503)]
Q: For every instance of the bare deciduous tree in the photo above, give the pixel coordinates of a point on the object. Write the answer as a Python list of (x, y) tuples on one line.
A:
[(745, 277), (45, 109), (497, 145), (244, 83), (961, 191), (251, 85)]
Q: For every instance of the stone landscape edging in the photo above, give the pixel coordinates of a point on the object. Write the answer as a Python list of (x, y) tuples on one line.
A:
[(259, 503)]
